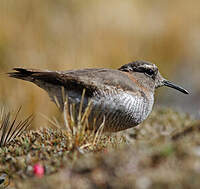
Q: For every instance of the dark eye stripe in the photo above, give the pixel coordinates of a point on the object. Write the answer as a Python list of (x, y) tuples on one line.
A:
[(149, 72)]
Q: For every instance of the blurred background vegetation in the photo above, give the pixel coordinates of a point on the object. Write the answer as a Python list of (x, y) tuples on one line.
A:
[(72, 34)]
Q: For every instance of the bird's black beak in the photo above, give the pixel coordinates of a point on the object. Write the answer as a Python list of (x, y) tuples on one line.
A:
[(172, 85)]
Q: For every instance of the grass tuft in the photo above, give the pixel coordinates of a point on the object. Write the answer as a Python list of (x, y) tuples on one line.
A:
[(10, 128)]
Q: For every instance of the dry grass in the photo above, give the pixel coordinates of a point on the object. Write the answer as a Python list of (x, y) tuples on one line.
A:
[(10, 129)]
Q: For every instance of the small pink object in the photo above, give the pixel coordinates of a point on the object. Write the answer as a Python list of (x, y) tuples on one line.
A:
[(105, 151), (38, 170)]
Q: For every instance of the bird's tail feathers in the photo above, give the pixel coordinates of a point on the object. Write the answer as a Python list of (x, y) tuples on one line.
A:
[(22, 73), (28, 74)]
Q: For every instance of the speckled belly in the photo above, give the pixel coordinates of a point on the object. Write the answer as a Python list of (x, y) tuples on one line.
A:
[(120, 110)]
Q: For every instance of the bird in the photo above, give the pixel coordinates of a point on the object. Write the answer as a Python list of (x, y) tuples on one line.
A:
[(121, 98)]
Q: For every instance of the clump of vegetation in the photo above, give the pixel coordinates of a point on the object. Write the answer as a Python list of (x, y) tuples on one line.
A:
[(9, 130), (162, 152), (54, 147)]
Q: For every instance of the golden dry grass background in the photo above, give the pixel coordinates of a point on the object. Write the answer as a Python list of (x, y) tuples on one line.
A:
[(71, 34)]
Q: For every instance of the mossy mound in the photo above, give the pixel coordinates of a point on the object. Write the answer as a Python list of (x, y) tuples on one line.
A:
[(163, 152)]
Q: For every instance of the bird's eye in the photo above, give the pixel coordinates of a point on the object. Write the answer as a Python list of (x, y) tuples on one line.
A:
[(149, 72)]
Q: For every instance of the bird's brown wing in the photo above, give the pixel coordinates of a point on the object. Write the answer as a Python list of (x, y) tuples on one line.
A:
[(68, 79), (100, 78), (85, 78), (74, 80), (53, 81)]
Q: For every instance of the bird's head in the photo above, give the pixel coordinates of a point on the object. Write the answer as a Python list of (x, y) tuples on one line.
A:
[(148, 73)]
